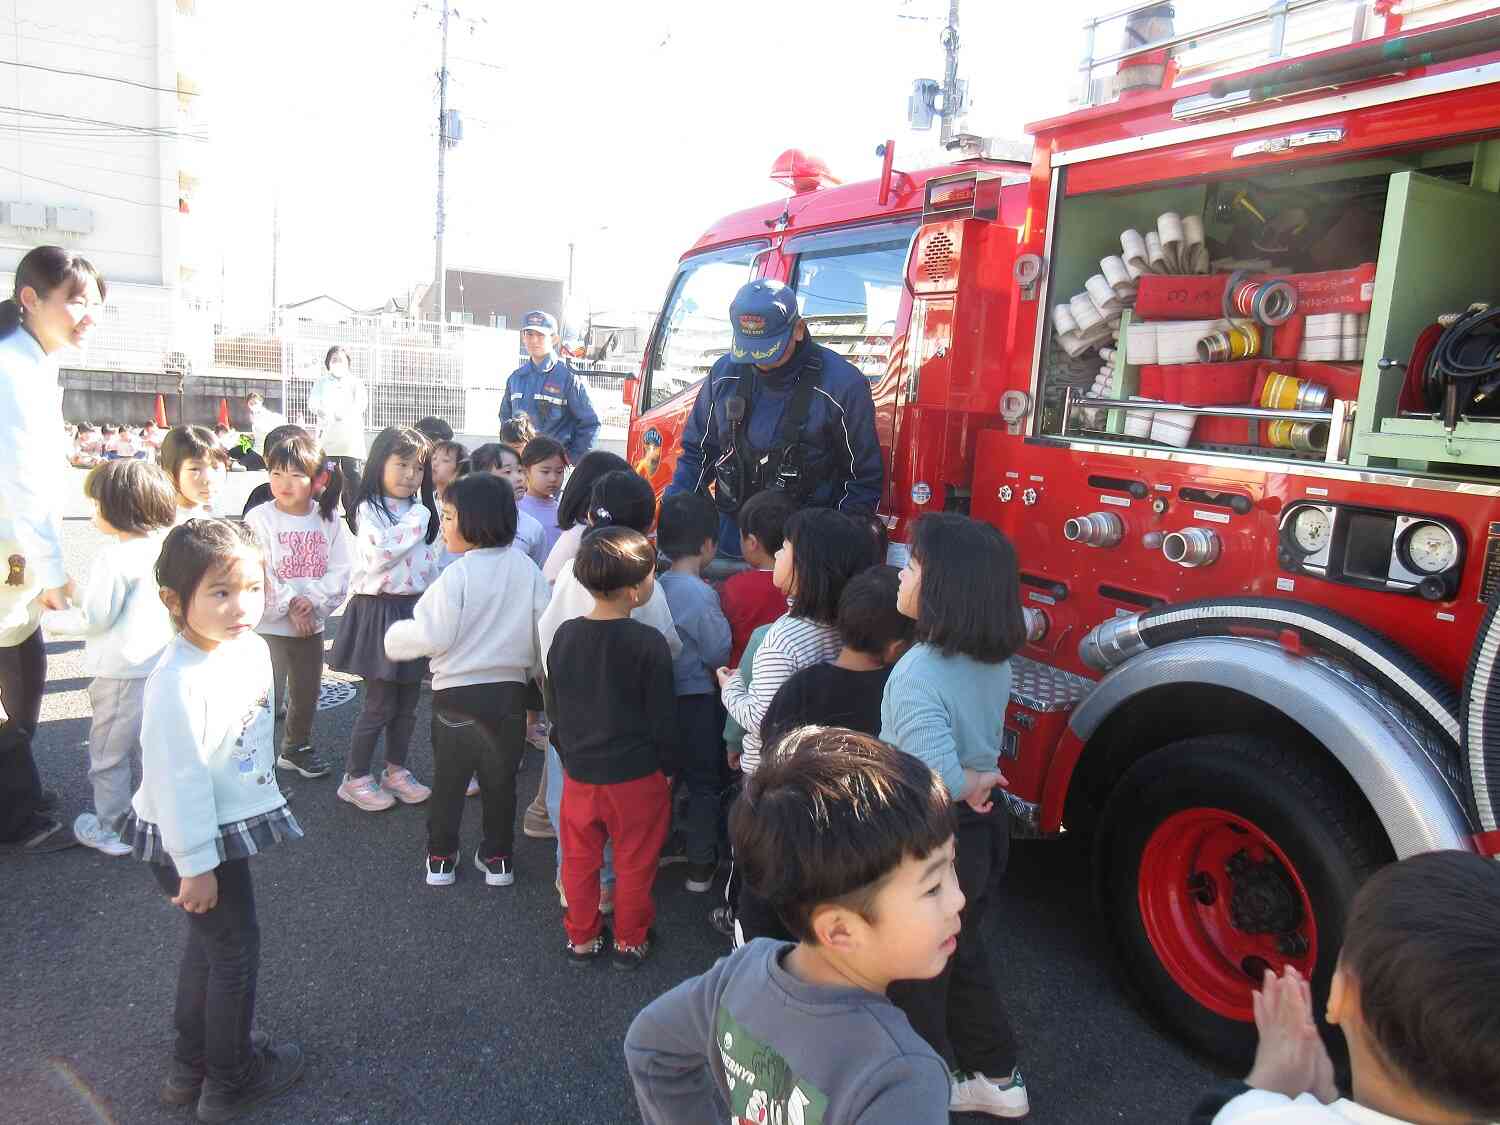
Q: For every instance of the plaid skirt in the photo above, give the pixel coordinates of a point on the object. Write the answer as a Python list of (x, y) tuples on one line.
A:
[(237, 840)]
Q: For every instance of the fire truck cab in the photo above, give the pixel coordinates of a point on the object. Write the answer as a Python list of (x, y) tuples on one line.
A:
[(1220, 362)]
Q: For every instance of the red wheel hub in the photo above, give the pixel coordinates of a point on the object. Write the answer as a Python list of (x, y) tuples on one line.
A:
[(1221, 903)]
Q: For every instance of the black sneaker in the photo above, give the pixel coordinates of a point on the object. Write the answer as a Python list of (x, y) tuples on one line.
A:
[(587, 954), (442, 870), (673, 851), (721, 918), (628, 958), (184, 1083), (700, 877), (43, 834), (274, 1070), (496, 868), (304, 760)]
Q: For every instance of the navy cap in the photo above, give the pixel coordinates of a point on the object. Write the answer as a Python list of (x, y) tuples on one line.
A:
[(538, 321), (763, 316)]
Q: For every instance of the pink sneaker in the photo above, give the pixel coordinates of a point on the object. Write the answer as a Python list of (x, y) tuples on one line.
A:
[(400, 783), (363, 793)]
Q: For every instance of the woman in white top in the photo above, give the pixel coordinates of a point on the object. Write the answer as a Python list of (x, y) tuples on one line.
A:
[(55, 295), (338, 400)]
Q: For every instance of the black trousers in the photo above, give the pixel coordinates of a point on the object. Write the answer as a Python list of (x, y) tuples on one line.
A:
[(391, 707), (216, 980), (23, 677), (961, 1012), (700, 773), (350, 469), (478, 728)]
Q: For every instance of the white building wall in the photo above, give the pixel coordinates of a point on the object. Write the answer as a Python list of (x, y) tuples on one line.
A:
[(106, 140)]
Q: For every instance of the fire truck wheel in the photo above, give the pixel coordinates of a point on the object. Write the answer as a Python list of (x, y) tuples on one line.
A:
[(1218, 857)]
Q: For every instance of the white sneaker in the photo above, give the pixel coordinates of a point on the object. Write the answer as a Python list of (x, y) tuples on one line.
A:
[(91, 834), (974, 1093)]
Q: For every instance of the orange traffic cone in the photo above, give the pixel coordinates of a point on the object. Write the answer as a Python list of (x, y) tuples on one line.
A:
[(160, 417), (224, 412)]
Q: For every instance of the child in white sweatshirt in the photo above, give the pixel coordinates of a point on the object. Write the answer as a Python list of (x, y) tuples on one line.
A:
[(478, 625), (395, 560), (208, 801), (125, 627), (308, 559)]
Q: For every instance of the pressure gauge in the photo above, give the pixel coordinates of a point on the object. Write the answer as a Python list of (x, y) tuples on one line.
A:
[(1431, 548), (1310, 530)]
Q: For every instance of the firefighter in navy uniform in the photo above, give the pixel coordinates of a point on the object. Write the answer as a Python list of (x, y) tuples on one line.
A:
[(782, 412), (549, 392)]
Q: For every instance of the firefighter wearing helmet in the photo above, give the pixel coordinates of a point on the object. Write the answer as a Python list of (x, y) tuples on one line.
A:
[(550, 392), (779, 412)]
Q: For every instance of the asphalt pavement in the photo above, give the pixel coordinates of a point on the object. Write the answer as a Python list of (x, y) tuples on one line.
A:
[(421, 1004)]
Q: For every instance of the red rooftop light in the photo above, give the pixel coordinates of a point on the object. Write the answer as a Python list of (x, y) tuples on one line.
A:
[(800, 172)]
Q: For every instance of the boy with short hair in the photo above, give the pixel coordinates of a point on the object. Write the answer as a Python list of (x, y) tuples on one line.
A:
[(1416, 994), (750, 598), (687, 532), (852, 841)]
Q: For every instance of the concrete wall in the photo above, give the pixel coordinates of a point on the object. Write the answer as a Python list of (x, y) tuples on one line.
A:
[(129, 398), (107, 165)]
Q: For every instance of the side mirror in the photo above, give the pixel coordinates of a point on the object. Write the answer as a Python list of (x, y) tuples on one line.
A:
[(628, 393)]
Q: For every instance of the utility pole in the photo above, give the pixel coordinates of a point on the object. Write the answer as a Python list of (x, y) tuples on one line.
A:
[(951, 94), (439, 270)]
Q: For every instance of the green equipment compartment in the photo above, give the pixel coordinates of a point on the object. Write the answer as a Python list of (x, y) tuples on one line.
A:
[(1439, 251)]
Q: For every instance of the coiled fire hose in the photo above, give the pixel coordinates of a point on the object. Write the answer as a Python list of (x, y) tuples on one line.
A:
[(1463, 372)]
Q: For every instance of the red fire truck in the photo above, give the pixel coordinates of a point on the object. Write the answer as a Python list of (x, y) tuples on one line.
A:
[(1212, 360)]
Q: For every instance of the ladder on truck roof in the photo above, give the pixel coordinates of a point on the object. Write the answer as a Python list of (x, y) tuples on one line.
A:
[(1284, 29)]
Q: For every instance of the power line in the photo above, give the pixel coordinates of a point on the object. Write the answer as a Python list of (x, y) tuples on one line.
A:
[(145, 130), (84, 191), (99, 77)]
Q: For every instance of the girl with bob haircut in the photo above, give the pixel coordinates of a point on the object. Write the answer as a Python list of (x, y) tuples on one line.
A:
[(308, 559), (945, 705), (51, 308), (124, 627), (396, 523), (196, 464), (208, 801)]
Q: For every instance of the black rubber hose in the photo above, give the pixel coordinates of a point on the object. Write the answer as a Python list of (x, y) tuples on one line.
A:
[(1390, 666), (1481, 720), (1386, 663)]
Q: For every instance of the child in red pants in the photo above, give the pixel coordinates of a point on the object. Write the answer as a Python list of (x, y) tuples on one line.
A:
[(611, 694)]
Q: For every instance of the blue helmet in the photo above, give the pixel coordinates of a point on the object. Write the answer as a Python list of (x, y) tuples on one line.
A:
[(763, 316)]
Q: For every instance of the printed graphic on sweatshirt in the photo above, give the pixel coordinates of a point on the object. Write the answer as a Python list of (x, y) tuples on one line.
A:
[(301, 554), (252, 754), (762, 1088)]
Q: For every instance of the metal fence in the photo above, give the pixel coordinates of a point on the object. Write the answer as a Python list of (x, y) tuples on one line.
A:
[(411, 369)]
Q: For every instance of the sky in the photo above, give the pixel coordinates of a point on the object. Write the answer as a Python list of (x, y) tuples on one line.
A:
[(625, 128)]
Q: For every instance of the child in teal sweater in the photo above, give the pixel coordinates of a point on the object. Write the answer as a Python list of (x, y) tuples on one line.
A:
[(945, 704)]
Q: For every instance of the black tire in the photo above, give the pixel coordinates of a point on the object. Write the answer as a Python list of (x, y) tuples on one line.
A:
[(1307, 806)]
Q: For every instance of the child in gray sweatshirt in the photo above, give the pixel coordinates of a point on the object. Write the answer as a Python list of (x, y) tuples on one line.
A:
[(852, 843)]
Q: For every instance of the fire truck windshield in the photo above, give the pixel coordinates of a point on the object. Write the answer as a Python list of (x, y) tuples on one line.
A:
[(848, 295), (694, 329)]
